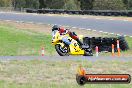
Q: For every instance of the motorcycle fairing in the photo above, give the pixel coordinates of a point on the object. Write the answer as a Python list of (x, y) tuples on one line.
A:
[(73, 45)]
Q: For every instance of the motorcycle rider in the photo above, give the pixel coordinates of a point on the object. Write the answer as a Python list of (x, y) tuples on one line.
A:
[(73, 35)]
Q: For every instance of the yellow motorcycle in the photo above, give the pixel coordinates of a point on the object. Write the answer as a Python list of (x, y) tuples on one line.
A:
[(66, 46)]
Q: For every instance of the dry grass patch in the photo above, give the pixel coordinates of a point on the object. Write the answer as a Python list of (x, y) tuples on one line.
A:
[(57, 74)]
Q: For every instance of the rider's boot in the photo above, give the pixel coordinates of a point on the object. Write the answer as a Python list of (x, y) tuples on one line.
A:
[(83, 46)]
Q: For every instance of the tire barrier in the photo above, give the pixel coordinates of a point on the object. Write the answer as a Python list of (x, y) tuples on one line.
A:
[(104, 43), (82, 12)]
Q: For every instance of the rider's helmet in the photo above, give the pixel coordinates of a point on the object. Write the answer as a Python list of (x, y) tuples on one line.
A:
[(55, 27), (61, 30)]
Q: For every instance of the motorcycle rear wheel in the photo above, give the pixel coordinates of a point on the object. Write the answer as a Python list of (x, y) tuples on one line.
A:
[(88, 53)]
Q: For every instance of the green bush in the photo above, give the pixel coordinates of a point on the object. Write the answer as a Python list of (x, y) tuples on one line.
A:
[(108, 5)]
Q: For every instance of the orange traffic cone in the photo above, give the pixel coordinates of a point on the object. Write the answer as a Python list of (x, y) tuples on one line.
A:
[(113, 50)]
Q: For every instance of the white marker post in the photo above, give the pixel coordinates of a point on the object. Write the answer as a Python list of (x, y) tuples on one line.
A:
[(42, 51), (118, 48), (97, 51)]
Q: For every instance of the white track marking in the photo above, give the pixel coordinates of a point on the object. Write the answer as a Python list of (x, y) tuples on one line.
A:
[(112, 33), (118, 34), (125, 35), (41, 23), (98, 18), (84, 17), (89, 29), (74, 27), (101, 31), (105, 32), (30, 22), (94, 30), (111, 19), (17, 21), (20, 21), (66, 26), (66, 16), (8, 20), (82, 28), (125, 20)]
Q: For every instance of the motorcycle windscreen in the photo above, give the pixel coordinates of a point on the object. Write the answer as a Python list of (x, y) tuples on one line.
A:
[(54, 32)]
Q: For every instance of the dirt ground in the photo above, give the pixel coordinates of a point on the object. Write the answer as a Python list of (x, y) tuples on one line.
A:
[(28, 26), (44, 28)]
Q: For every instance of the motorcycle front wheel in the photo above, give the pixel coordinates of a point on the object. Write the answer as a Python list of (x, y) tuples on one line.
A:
[(62, 51)]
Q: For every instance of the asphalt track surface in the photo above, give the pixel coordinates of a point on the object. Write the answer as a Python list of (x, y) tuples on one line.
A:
[(112, 26), (74, 58)]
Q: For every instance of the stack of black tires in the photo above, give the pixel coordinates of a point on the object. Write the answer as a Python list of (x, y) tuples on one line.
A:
[(105, 43)]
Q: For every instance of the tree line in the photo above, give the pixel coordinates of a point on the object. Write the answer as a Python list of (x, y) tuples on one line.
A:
[(69, 4)]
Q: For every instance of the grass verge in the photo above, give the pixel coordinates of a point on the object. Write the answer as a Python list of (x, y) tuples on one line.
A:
[(23, 42), (55, 74)]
